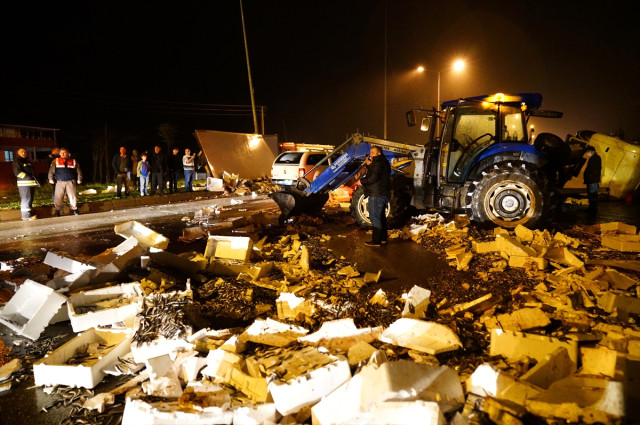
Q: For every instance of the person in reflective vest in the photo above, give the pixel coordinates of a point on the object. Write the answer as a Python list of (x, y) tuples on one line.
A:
[(27, 182), (66, 172)]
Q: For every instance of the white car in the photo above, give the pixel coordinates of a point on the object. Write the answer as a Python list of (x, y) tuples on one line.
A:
[(291, 165)]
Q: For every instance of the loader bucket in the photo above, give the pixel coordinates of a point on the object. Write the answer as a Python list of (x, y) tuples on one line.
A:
[(292, 203)]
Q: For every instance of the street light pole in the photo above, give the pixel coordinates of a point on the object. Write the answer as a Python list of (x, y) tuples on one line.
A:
[(384, 136), (438, 105)]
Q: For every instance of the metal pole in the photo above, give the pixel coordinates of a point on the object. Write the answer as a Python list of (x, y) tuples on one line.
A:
[(246, 50), (438, 105), (385, 71)]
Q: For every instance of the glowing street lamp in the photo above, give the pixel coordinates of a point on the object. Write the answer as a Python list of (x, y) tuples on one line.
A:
[(458, 66)]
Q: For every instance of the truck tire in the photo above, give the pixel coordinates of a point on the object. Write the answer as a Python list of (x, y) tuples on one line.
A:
[(397, 209), (509, 194)]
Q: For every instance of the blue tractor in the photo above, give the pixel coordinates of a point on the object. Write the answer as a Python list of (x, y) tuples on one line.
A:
[(478, 159)]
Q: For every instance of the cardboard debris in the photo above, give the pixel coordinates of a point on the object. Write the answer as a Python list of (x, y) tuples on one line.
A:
[(31, 309), (554, 367), (401, 380), (619, 280), (581, 399), (515, 346), (478, 305), (520, 320), (229, 247), (416, 303), (360, 351), (622, 242), (428, 337), (272, 332), (486, 380), (510, 246), (598, 361), (289, 306), (608, 301), (618, 227), (9, 368), (306, 390), (145, 236), (341, 335), (67, 264)]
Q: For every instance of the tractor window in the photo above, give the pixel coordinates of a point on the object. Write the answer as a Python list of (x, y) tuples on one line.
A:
[(512, 128), (473, 132)]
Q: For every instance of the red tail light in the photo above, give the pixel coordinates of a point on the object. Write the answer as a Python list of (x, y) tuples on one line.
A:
[(301, 172)]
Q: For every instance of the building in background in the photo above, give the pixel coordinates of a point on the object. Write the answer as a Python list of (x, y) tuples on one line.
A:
[(38, 142)]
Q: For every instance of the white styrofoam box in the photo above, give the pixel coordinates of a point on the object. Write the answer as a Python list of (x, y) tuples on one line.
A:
[(73, 280), (120, 255), (131, 292), (214, 184), (173, 260), (67, 264), (54, 370), (294, 394), (158, 347), (61, 316), (260, 414), (145, 236), (31, 309), (138, 412), (401, 413), (229, 247)]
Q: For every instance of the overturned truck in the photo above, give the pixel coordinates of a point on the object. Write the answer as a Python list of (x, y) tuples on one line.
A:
[(478, 158)]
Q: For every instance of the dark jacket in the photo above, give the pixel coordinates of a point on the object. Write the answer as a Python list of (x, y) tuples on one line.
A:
[(377, 180), (116, 162), (64, 170), (175, 162), (593, 170), (23, 171), (158, 162)]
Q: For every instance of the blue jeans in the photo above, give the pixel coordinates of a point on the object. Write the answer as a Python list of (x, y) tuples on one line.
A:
[(144, 185), (188, 180), (377, 206)]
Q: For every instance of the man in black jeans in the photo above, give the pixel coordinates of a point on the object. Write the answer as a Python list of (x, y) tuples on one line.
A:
[(175, 169), (158, 163), (121, 165), (376, 184), (592, 174)]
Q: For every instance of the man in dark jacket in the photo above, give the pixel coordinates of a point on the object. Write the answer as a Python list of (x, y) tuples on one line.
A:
[(158, 163), (592, 174), (175, 169), (27, 182), (122, 166), (376, 184), (66, 173)]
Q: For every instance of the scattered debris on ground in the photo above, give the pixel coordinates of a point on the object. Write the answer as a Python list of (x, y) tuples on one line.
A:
[(268, 326)]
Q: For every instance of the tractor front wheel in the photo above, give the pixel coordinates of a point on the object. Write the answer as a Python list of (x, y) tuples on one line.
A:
[(397, 209), (509, 194)]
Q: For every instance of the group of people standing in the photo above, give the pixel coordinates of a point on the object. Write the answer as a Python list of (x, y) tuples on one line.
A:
[(149, 172)]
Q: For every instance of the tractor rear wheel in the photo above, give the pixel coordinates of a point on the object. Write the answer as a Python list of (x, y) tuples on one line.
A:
[(397, 209), (509, 194)]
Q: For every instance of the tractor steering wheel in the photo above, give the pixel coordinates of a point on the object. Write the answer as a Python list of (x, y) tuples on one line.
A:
[(491, 137)]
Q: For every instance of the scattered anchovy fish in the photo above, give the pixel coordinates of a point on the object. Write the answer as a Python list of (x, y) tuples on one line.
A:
[(162, 316)]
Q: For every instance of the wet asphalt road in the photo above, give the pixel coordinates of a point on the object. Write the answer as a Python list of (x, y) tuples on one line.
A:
[(404, 263)]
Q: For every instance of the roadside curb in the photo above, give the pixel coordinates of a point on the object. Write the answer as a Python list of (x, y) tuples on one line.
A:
[(113, 204)]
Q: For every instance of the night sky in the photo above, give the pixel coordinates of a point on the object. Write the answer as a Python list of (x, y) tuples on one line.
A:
[(318, 67)]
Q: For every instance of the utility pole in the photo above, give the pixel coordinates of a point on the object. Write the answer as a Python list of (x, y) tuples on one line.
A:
[(384, 136), (246, 51)]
